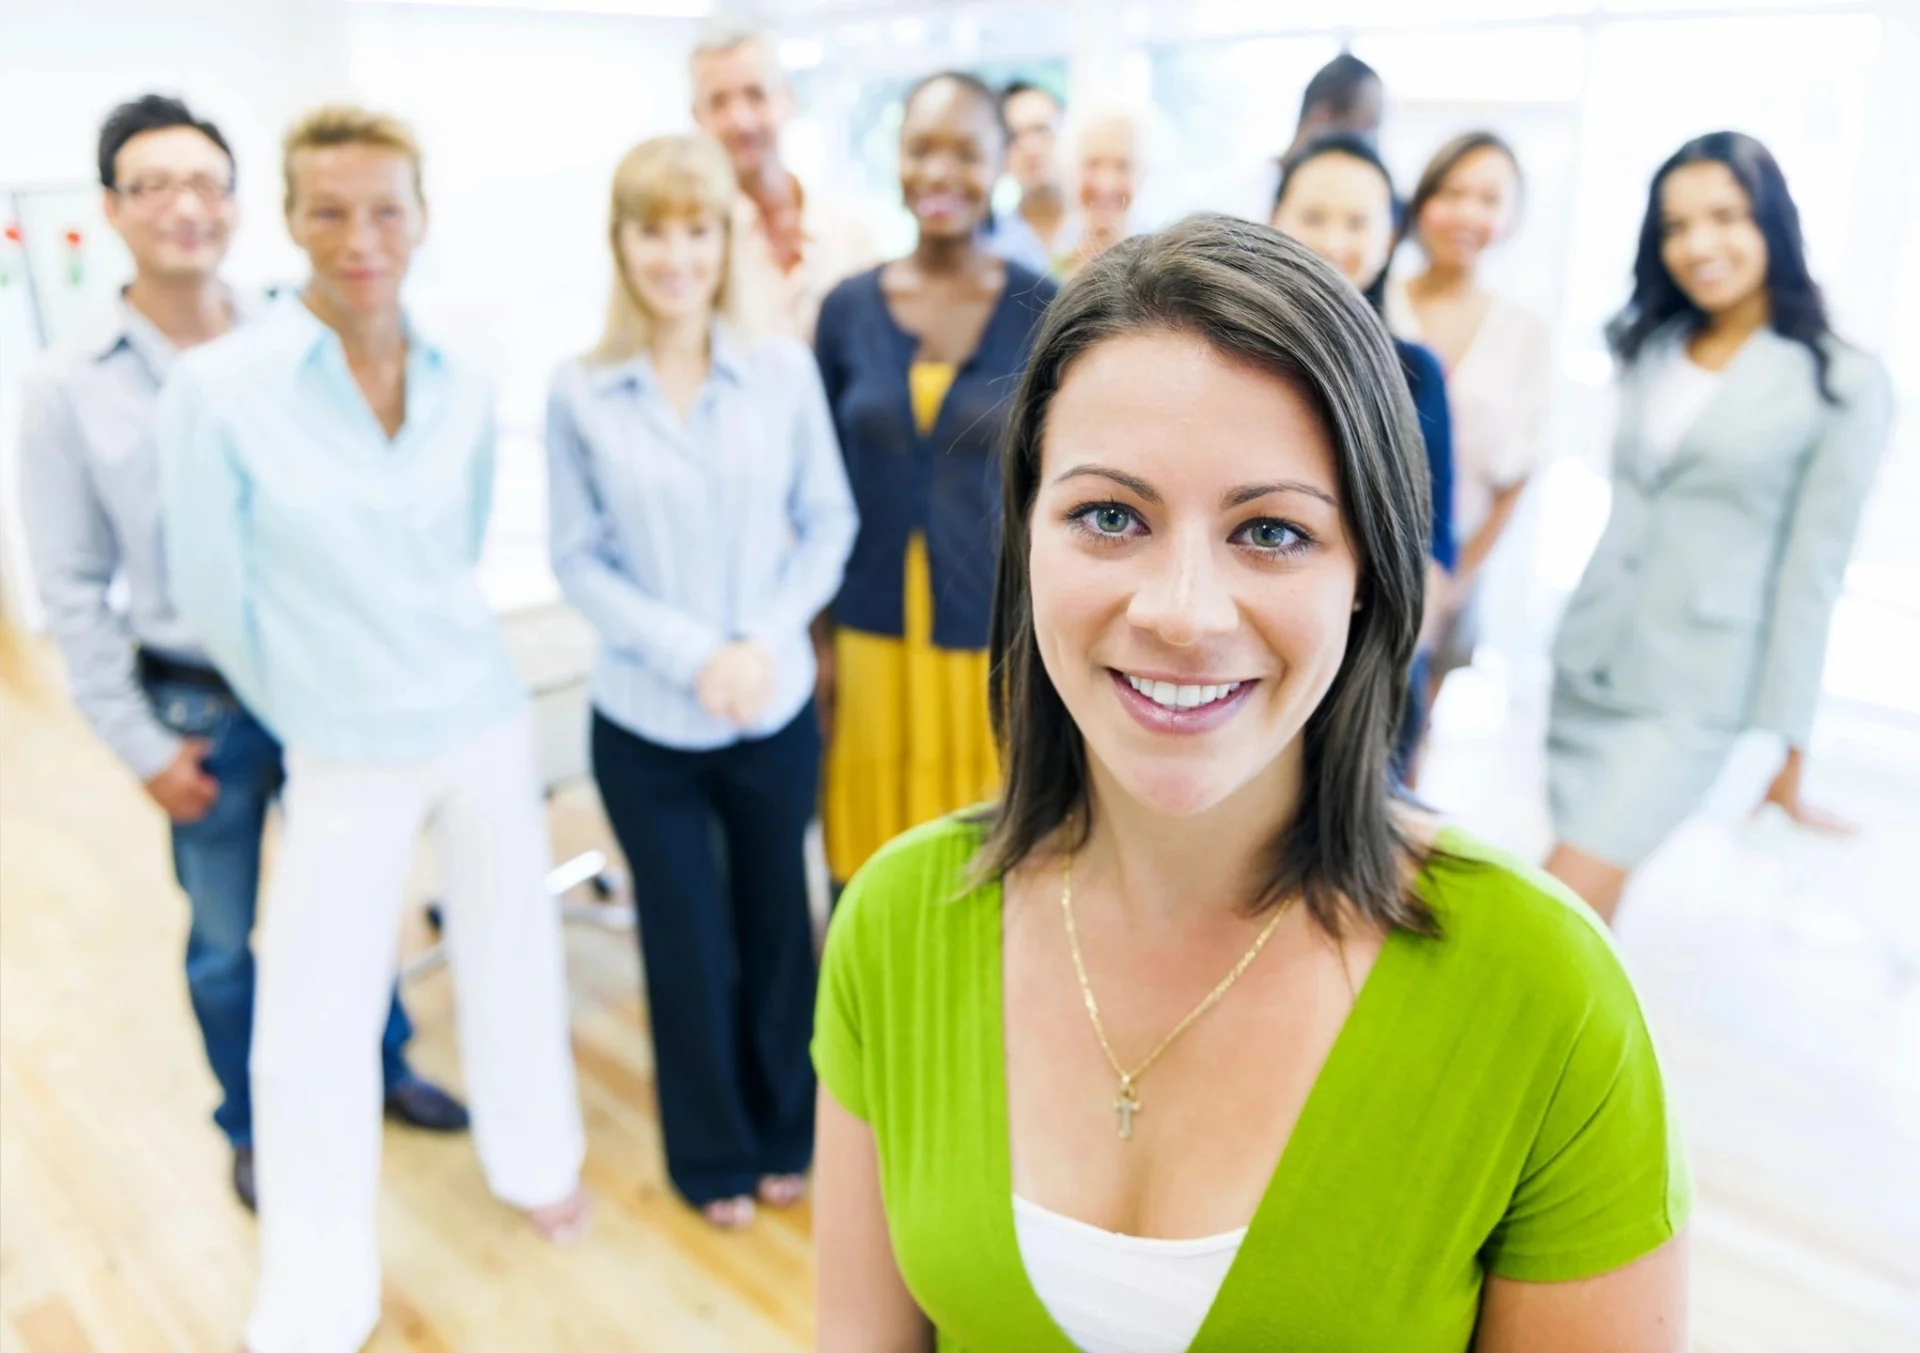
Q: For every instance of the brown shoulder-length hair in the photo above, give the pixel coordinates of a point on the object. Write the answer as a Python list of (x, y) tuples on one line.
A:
[(1260, 299), (1445, 160)]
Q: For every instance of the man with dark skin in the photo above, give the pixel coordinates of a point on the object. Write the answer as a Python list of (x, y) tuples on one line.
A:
[(1345, 95)]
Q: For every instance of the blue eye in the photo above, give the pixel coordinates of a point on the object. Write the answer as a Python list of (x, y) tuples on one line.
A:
[(1105, 522), (1272, 536)]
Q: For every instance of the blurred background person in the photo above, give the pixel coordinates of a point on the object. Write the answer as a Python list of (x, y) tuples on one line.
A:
[(1336, 197), (918, 358), (1498, 358), (797, 243), (326, 477), (1034, 232), (137, 673), (700, 519), (1107, 152), (1345, 95), (1748, 438)]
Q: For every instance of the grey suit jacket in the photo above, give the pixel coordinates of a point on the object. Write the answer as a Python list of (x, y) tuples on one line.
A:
[(1711, 588)]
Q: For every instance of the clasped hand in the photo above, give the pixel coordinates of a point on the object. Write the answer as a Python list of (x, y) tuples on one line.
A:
[(736, 683)]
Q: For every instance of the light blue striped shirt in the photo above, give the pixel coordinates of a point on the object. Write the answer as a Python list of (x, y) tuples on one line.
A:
[(327, 570), (90, 498), (675, 536)]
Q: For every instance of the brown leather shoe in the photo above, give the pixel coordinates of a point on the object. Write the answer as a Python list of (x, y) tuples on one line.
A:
[(243, 1177)]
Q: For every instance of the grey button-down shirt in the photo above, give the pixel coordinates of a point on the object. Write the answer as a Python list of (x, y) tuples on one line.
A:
[(91, 493)]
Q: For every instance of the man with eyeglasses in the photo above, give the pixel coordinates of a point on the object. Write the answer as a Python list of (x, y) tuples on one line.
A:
[(138, 673), (1036, 232)]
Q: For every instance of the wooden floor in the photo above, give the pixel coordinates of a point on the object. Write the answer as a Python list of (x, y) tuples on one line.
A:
[(117, 1230)]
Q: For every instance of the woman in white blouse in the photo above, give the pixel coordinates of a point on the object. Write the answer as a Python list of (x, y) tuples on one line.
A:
[(700, 520), (1496, 355)]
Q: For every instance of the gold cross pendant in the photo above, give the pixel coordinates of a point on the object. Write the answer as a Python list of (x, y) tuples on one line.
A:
[(1125, 1107)]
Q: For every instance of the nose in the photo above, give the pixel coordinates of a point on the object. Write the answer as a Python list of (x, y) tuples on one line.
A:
[(942, 169), (1185, 597), (1695, 243), (679, 248), (363, 236), (188, 206)]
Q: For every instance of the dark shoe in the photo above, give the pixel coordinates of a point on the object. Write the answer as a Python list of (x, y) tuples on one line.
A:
[(243, 1177), (424, 1105)]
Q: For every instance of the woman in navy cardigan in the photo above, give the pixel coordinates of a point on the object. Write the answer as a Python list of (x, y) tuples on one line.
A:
[(1336, 197), (919, 358)]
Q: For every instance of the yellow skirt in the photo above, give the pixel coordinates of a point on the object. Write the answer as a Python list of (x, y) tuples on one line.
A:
[(911, 737)]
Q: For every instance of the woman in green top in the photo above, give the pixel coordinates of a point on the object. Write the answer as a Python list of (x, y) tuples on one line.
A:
[(1199, 1038)]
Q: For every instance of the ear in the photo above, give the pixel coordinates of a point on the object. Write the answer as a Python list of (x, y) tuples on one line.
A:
[(110, 208)]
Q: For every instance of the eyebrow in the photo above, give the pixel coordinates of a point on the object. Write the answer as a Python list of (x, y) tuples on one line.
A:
[(1233, 498)]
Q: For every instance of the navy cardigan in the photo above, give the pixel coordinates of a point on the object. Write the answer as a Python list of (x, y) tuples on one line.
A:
[(945, 485), (1427, 383)]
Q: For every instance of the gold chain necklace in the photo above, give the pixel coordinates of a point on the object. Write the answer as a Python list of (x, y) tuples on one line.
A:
[(1127, 1103)]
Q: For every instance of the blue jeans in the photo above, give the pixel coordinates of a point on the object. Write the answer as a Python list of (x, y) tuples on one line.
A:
[(217, 861)]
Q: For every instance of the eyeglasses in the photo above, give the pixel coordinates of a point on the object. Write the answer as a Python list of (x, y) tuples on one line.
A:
[(160, 190)]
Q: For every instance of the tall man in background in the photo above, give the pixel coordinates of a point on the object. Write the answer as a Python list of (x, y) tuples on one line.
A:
[(1034, 233), (797, 243), (139, 674), (1345, 95)]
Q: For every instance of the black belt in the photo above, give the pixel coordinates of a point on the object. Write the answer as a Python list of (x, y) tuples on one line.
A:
[(157, 669)]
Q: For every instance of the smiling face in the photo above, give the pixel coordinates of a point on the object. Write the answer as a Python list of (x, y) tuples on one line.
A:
[(1472, 208), (950, 150), (1108, 159), (172, 202), (356, 211), (741, 99), (1341, 208), (1710, 243), (1193, 581), (1033, 130), (675, 262)]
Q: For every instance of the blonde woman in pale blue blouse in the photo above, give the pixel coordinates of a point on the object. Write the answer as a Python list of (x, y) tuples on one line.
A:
[(700, 520)]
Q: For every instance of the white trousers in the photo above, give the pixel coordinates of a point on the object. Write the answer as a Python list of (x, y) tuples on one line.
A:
[(327, 955)]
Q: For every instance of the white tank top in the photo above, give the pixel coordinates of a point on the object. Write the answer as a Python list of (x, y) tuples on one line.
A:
[(1113, 1293)]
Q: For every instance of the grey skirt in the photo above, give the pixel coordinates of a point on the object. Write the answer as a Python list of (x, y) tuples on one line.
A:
[(1618, 780)]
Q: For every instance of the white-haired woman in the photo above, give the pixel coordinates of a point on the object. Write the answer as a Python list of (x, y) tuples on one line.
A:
[(1107, 163), (700, 519)]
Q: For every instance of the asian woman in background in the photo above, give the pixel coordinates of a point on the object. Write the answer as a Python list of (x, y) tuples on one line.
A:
[(700, 518), (1336, 197), (1497, 356), (1748, 438), (918, 358)]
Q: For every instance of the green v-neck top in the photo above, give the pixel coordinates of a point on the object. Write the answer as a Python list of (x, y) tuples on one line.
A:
[(1493, 1104)]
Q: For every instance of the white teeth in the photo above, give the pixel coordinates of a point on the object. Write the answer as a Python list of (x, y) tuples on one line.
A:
[(1170, 696)]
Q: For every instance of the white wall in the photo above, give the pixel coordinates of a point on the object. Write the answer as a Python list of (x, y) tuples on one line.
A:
[(522, 116), (246, 64)]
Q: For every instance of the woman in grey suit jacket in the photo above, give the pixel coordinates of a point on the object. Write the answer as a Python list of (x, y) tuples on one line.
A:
[(1747, 441)]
